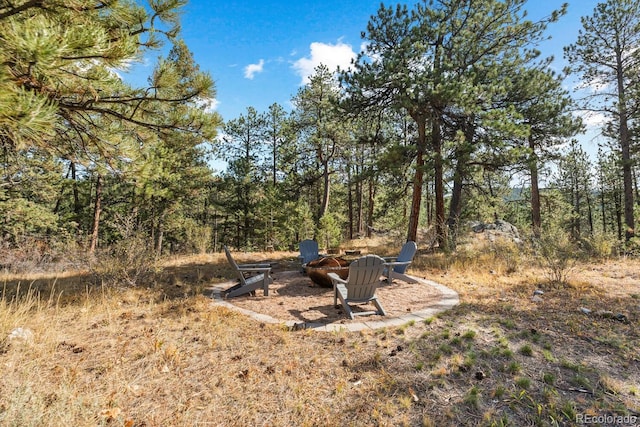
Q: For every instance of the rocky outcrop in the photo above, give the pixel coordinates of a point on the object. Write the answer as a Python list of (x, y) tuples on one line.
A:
[(498, 229)]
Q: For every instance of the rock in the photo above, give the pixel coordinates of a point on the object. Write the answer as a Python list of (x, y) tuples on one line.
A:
[(477, 226), (507, 228), (585, 310), (499, 228), (536, 298), (607, 314), (20, 335), (621, 318), (538, 292)]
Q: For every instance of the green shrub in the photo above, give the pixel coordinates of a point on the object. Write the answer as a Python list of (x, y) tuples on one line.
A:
[(508, 252), (557, 254), (329, 231), (600, 245), (198, 237), (129, 260)]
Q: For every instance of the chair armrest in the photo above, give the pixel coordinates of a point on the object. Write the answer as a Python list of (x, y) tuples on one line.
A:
[(393, 264), (254, 265), (256, 269), (335, 278)]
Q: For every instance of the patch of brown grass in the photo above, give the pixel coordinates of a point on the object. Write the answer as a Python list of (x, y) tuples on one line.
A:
[(161, 354)]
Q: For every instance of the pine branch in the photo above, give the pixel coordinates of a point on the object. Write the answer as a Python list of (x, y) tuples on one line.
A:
[(14, 10)]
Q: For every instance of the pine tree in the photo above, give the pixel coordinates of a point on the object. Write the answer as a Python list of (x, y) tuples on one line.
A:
[(575, 183), (322, 129), (423, 61), (244, 145), (59, 89), (60, 92), (546, 109), (607, 59)]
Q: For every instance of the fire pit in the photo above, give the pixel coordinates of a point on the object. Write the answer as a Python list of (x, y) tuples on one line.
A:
[(318, 269)]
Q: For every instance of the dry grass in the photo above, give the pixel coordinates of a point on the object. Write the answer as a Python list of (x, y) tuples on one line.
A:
[(163, 355)]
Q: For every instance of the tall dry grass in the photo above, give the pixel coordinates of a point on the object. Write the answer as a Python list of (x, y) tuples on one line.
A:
[(160, 354)]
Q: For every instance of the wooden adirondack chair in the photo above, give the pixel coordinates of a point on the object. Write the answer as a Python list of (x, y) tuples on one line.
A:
[(396, 267), (251, 276), (308, 252), (360, 286)]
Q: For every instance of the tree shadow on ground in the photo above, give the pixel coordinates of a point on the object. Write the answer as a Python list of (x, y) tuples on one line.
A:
[(329, 312), (166, 282)]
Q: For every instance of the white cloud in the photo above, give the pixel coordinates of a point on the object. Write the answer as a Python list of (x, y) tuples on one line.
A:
[(208, 104), (593, 119), (330, 55), (252, 69), (596, 85)]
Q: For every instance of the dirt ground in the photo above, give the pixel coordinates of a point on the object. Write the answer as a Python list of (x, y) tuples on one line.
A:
[(293, 296)]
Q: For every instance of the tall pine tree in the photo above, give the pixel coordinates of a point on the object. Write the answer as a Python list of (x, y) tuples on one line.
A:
[(607, 59)]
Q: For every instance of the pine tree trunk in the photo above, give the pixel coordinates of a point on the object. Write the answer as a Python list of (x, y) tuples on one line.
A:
[(350, 202), (589, 210), (370, 206), (418, 179), (275, 160), (462, 156), (618, 205), (360, 204), (160, 242), (625, 147), (492, 195), (636, 196), (438, 177), (455, 206), (77, 207), (215, 231), (326, 188), (536, 218), (628, 192), (429, 202), (603, 202), (160, 233), (97, 210), (576, 208)]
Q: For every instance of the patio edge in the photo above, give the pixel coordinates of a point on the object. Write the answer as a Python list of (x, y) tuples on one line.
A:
[(448, 300)]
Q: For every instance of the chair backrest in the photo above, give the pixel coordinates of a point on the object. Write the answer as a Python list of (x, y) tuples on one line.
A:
[(234, 265), (407, 253), (308, 250), (232, 262), (364, 277)]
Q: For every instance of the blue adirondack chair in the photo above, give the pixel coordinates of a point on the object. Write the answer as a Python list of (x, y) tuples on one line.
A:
[(396, 267)]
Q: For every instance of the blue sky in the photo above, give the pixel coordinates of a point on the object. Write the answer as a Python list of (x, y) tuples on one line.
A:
[(260, 52)]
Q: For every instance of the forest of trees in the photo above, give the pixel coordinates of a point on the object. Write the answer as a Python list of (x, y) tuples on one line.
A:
[(451, 114)]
